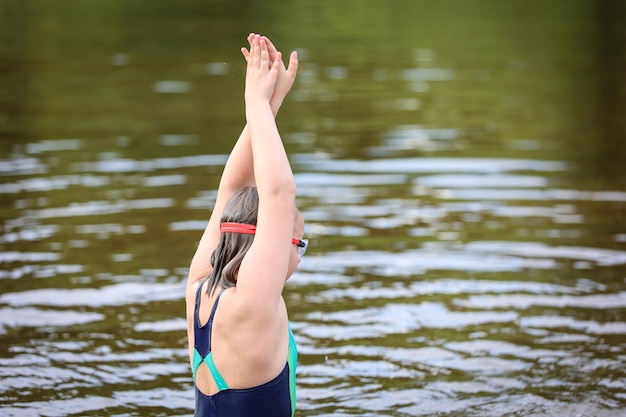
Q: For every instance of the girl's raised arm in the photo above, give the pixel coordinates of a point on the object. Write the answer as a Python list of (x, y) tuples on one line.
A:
[(265, 267), (238, 171)]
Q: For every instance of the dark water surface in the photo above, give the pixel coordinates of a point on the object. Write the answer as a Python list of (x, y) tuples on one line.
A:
[(460, 166)]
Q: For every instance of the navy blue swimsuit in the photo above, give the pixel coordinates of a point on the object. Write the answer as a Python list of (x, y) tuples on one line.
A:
[(276, 398)]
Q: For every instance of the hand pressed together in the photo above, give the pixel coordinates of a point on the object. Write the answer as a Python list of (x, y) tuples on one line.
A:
[(286, 75), (261, 73)]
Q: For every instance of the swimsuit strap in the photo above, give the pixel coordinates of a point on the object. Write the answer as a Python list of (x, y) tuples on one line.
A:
[(210, 322), (202, 340), (196, 311)]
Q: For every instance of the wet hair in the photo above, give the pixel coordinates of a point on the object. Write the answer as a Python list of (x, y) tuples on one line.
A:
[(242, 207)]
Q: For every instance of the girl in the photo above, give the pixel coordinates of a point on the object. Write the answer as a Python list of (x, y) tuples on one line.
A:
[(241, 348)]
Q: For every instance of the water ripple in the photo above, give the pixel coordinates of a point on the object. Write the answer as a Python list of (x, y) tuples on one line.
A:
[(117, 294), (525, 301)]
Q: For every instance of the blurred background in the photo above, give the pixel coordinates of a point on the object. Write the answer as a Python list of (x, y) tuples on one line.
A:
[(460, 168)]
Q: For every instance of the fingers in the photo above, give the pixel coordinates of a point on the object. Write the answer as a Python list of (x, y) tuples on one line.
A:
[(262, 49), (244, 51), (270, 47), (293, 64), (255, 50), (278, 59), (265, 56), (259, 54), (275, 68)]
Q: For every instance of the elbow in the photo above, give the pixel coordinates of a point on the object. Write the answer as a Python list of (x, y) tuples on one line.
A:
[(285, 190), (290, 188)]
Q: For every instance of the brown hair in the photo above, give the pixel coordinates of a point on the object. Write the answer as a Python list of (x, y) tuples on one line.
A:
[(242, 207)]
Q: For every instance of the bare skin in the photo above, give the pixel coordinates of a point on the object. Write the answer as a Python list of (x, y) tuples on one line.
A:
[(250, 329)]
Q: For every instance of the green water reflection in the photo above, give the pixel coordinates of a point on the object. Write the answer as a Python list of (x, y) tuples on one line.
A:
[(522, 70)]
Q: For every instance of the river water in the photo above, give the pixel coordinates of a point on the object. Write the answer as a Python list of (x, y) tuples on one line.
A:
[(459, 169)]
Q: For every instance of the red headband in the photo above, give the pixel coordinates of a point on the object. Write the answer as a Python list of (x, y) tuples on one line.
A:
[(248, 229)]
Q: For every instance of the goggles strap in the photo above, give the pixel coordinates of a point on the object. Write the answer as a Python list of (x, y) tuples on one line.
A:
[(247, 229)]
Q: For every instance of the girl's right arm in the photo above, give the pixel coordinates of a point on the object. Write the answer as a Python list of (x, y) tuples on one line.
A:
[(264, 269)]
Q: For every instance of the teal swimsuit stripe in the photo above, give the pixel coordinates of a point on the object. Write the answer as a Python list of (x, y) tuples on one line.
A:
[(292, 360), (208, 359)]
